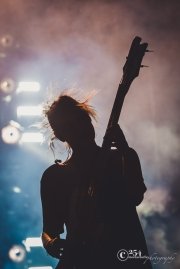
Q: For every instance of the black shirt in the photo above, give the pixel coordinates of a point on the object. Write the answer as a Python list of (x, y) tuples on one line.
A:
[(96, 199)]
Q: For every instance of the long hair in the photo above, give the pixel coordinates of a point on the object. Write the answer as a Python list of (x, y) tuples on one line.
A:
[(62, 105)]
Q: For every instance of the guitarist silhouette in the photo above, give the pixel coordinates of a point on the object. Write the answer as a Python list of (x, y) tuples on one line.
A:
[(96, 190)]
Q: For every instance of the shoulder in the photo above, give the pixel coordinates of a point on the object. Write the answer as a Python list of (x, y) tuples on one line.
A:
[(129, 155), (51, 169), (54, 184), (129, 152), (51, 174), (132, 156)]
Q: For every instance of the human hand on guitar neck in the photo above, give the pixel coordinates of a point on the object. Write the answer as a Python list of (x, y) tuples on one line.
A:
[(116, 138)]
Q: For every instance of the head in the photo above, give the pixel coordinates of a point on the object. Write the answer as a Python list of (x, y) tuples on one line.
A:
[(71, 122)]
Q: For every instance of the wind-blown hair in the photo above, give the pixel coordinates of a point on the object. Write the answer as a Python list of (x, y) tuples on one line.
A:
[(65, 104)]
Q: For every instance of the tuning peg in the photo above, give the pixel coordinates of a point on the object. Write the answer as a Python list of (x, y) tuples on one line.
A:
[(144, 65), (149, 50)]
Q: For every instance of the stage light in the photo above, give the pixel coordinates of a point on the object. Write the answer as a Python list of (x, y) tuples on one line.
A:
[(28, 86), (17, 253), (29, 110), (10, 134), (7, 41), (32, 242), (7, 98), (41, 267), (16, 189), (7, 85), (31, 137)]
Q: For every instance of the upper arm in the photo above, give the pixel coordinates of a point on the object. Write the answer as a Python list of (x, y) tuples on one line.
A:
[(53, 219)]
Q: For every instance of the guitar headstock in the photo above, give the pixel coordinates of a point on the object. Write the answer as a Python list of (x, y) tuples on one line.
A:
[(134, 59)]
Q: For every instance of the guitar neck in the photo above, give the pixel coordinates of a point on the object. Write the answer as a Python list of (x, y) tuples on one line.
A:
[(130, 71), (116, 110)]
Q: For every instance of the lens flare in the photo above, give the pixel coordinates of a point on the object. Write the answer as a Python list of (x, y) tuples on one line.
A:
[(17, 253)]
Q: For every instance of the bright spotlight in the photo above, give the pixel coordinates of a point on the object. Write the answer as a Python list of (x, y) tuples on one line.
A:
[(32, 137), (16, 189), (29, 110), (7, 41), (7, 99), (10, 134), (7, 85), (28, 86), (32, 242), (17, 253), (41, 267)]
